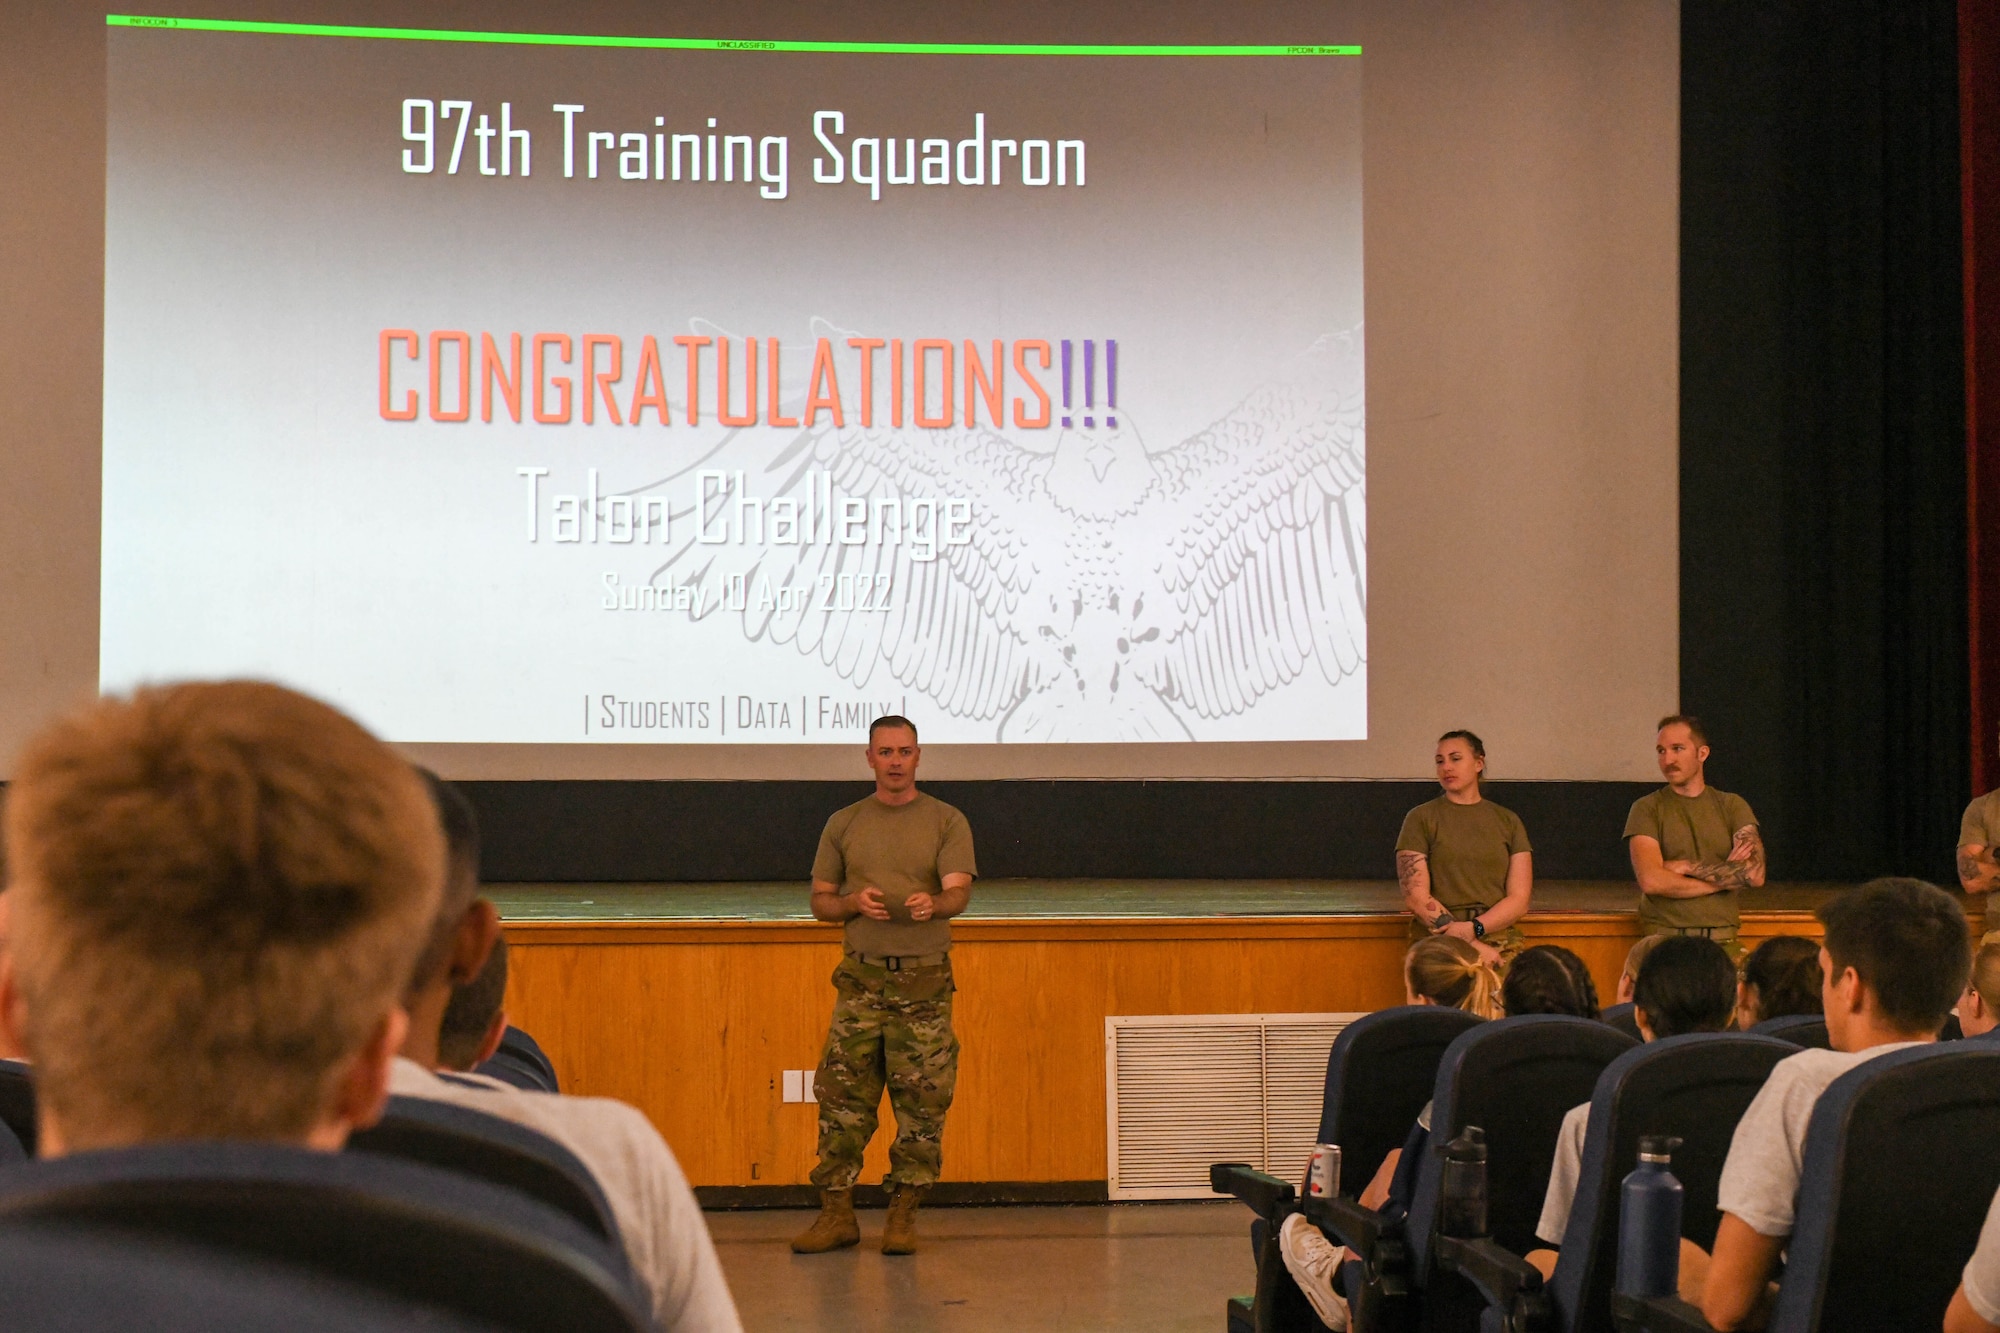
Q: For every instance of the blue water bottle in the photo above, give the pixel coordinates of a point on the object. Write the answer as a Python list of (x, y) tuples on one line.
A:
[(1649, 1223)]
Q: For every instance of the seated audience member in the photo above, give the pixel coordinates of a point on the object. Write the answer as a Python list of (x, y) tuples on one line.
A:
[(476, 1018), (477, 1038), (1446, 970), (1893, 962), (1441, 970), (1781, 977), (1549, 979), (1975, 1306), (1979, 1007), (1635, 958), (218, 892), (1686, 984), (656, 1212)]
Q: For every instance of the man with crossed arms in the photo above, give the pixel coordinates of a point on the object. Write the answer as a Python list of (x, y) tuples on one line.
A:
[(1693, 847), (1979, 854)]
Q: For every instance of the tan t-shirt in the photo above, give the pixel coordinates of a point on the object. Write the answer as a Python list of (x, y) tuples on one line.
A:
[(1981, 827), (901, 850), (1690, 828), (1467, 848), (1981, 824)]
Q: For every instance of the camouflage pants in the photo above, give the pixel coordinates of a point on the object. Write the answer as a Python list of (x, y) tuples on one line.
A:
[(889, 1029)]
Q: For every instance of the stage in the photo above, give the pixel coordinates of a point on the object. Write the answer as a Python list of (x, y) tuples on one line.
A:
[(691, 1000)]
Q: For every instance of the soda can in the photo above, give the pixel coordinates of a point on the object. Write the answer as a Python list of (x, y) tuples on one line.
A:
[(1323, 1171)]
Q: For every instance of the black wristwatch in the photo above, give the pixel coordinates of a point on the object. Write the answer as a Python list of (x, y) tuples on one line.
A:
[(1478, 929)]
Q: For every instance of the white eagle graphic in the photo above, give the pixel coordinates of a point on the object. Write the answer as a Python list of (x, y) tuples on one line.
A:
[(1107, 592)]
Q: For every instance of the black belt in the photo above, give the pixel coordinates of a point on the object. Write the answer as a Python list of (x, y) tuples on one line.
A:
[(1706, 932), (896, 962)]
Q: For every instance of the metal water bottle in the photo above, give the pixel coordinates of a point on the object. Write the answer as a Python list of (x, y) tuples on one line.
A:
[(1462, 1210), (1649, 1222)]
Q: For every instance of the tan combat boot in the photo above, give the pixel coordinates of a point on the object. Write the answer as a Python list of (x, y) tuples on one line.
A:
[(899, 1233), (834, 1228)]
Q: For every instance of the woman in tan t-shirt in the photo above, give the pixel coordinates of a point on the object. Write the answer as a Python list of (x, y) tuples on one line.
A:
[(1463, 862)]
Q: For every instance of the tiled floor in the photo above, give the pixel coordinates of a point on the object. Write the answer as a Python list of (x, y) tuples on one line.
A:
[(1162, 1268)]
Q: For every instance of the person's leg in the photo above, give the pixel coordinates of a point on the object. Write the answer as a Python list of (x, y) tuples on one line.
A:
[(1377, 1192), (848, 1086), (920, 1053), (848, 1083), (1314, 1263)]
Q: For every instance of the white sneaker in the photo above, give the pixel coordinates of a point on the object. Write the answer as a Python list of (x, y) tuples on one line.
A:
[(1314, 1263)]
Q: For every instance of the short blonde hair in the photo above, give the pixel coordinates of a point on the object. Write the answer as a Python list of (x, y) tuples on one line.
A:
[(219, 891), (1635, 957)]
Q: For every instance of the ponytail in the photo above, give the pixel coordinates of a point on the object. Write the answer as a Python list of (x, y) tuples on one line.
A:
[(1446, 970)]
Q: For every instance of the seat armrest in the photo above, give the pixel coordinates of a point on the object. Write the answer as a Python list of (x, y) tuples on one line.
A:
[(1507, 1281), (1657, 1314), (1386, 1301), (1359, 1229), (1267, 1196)]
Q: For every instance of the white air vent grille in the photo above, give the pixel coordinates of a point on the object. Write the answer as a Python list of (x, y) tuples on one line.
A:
[(1185, 1090)]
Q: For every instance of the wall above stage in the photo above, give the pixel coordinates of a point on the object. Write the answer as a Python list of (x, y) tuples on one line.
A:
[(655, 831)]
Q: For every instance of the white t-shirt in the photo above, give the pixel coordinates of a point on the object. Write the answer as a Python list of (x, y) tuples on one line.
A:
[(1760, 1179), (1982, 1271), (1564, 1173), (665, 1237)]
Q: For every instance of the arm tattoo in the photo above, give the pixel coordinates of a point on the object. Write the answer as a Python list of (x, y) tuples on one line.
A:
[(1734, 874), (1968, 866), (1722, 874), (1407, 865), (1754, 864)]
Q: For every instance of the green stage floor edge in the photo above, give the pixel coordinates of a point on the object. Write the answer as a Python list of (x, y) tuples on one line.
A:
[(1096, 899)]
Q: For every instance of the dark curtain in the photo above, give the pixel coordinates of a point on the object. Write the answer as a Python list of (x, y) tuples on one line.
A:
[(1823, 521)]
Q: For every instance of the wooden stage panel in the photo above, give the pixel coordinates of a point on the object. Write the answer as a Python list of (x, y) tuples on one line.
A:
[(693, 1021)]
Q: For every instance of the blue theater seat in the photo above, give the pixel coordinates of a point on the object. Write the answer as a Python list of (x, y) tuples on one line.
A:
[(17, 1101), (1515, 1078), (1798, 1029), (68, 1280), (1624, 1017), (489, 1148), (1694, 1087), (408, 1232), (1381, 1071), (521, 1063), (1379, 1074), (1902, 1160)]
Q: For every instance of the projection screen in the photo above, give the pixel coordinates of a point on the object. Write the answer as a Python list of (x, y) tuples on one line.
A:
[(696, 392)]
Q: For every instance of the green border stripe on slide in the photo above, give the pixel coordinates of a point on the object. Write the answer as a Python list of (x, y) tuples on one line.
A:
[(709, 43)]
